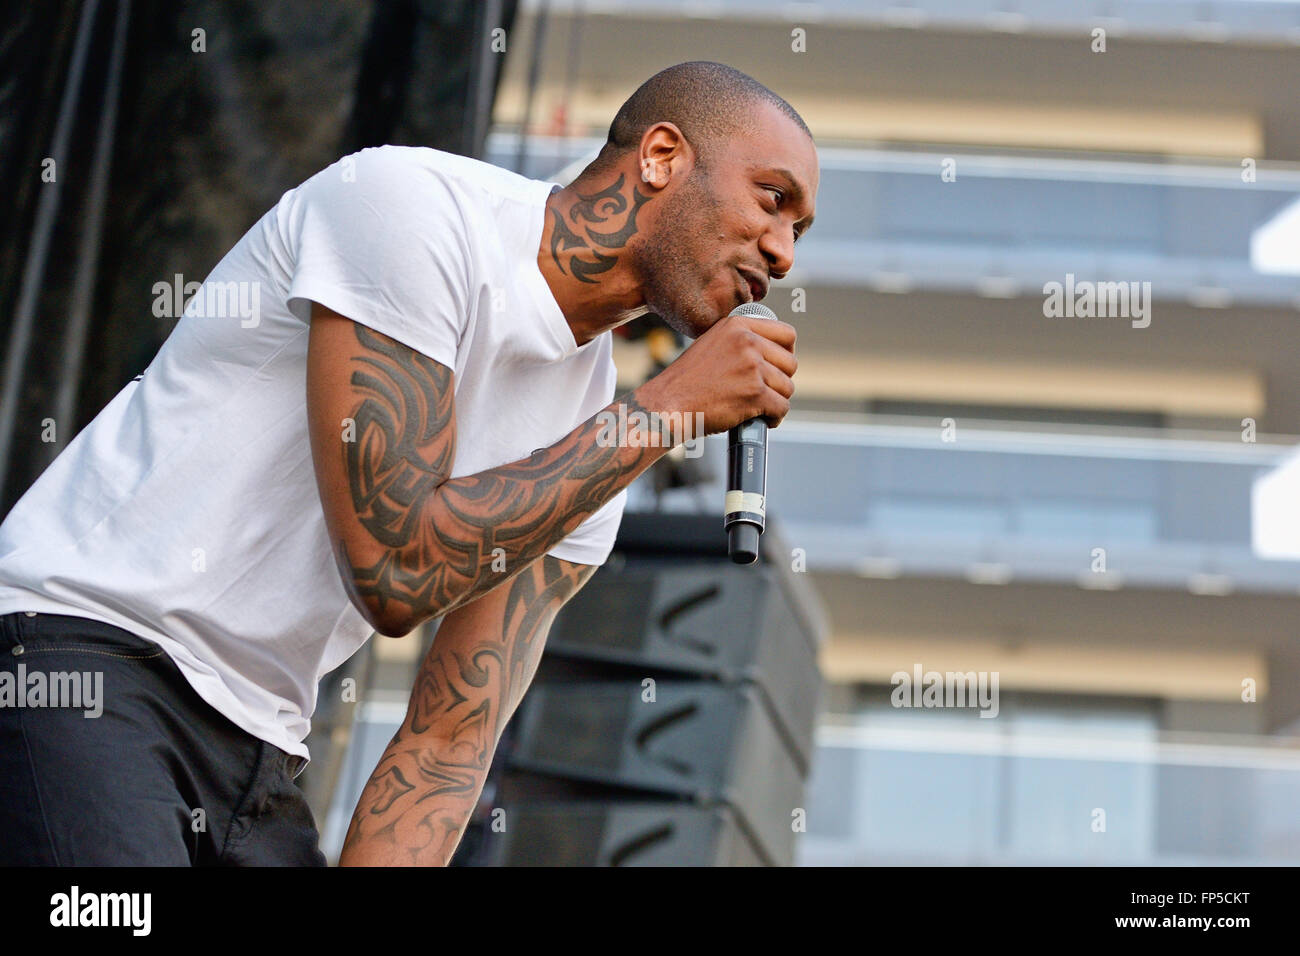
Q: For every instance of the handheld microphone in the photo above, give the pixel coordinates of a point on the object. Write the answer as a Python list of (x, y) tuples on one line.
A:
[(746, 501)]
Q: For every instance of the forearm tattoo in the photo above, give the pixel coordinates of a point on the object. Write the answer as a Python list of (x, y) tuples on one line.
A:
[(421, 795), (596, 207), (444, 541)]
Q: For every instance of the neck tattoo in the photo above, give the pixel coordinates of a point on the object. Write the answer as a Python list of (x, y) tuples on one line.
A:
[(595, 208)]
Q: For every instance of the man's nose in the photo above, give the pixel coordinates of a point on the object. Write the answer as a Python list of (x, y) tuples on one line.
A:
[(777, 246)]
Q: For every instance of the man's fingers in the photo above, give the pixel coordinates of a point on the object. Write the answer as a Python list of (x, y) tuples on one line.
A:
[(778, 381), (778, 407), (782, 333), (778, 356)]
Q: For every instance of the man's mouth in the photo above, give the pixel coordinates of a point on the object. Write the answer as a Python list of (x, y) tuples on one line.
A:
[(746, 293), (754, 286)]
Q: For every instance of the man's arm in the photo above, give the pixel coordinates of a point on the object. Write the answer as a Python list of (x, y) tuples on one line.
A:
[(421, 794), (412, 544)]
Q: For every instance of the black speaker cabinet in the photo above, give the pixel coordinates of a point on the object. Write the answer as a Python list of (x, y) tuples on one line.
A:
[(671, 720), (713, 744), (700, 619), (600, 833)]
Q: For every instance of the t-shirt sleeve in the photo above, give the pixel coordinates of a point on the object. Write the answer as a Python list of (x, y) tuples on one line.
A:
[(380, 239), (593, 540)]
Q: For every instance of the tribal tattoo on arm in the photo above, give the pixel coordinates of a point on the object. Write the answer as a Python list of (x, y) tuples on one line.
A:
[(435, 543), (420, 797)]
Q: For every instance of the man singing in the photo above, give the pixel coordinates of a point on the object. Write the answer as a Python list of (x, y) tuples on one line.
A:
[(404, 429)]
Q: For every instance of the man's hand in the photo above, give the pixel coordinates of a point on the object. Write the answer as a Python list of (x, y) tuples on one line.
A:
[(421, 794), (741, 368)]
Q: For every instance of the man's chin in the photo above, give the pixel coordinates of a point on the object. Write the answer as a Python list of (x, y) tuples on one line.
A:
[(693, 330), (684, 326)]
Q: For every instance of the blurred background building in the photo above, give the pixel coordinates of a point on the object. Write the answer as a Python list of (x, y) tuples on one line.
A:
[(979, 487), (1097, 511)]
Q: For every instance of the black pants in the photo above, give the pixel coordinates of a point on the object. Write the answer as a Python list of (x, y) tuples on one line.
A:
[(157, 778)]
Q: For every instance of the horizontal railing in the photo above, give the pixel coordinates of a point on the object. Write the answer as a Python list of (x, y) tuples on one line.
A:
[(1210, 234), (1103, 509), (975, 791)]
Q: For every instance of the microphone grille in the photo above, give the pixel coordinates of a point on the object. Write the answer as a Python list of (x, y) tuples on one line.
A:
[(754, 308)]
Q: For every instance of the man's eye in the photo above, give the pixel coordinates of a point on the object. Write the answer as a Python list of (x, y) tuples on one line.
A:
[(776, 192)]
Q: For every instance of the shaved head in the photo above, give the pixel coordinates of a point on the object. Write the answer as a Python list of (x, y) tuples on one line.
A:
[(711, 103)]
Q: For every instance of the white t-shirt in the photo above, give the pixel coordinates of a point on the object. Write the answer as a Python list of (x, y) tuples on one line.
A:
[(187, 512)]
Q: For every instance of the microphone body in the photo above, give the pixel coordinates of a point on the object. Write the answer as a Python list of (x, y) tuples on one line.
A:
[(745, 505)]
